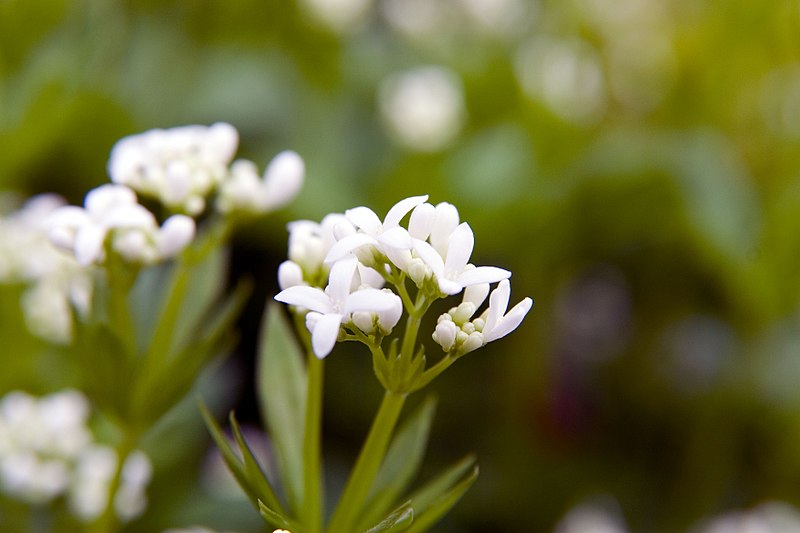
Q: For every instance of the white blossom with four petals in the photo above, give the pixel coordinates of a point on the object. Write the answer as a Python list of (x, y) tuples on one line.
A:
[(330, 308)]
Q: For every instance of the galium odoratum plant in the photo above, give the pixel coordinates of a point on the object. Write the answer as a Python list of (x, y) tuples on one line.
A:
[(154, 310), (355, 277)]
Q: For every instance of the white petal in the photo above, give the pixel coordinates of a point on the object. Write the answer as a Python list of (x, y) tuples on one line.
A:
[(340, 280), (498, 303), (482, 274), (105, 197), (388, 319), (444, 222), (396, 237), (399, 257), (430, 256), (89, 244), (176, 233), (62, 224), (283, 178), (223, 140), (365, 219), (373, 300), (510, 322), (421, 222), (347, 245), (459, 248), (308, 297), (401, 209), (370, 276), (476, 293), (326, 331), (449, 286), (129, 216)]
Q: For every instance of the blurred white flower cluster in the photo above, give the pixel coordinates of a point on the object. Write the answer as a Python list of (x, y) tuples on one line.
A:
[(55, 282), (364, 252), (183, 168), (47, 451), (111, 214)]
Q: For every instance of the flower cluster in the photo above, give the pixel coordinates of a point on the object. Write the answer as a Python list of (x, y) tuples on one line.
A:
[(54, 281), (353, 255), (184, 169), (112, 213), (47, 451)]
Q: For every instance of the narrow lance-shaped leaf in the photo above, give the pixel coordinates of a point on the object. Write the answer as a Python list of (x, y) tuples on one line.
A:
[(233, 463), (398, 520), (241, 472), (434, 500), (402, 462), (281, 383), (255, 475), (275, 519)]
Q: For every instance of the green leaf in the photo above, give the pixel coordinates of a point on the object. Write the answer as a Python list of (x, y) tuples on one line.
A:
[(433, 501), (281, 383), (255, 474), (401, 463), (398, 520), (276, 519), (228, 455), (159, 387)]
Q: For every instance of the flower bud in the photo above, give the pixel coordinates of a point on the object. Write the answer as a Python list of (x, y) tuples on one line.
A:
[(289, 274), (445, 334), (463, 313), (365, 321), (473, 342)]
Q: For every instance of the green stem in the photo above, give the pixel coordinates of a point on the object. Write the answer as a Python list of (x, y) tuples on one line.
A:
[(367, 464), (312, 467), (120, 280), (434, 371)]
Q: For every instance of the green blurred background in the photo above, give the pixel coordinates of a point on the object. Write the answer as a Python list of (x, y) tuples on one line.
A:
[(635, 163)]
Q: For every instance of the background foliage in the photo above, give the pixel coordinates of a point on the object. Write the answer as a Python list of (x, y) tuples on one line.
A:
[(636, 163)]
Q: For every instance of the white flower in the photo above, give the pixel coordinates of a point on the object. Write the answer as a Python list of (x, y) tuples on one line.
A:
[(39, 441), (244, 190), (179, 166), (93, 476), (423, 108), (454, 272), (387, 237), (113, 209), (333, 306)]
